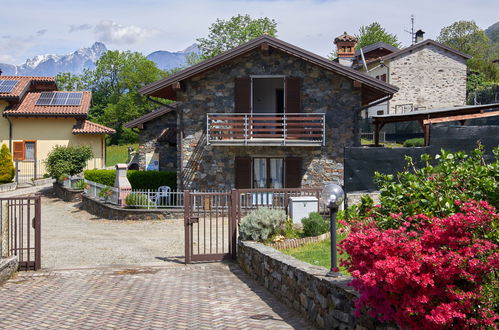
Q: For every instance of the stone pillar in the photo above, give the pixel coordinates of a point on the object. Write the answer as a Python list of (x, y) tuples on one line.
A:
[(121, 183)]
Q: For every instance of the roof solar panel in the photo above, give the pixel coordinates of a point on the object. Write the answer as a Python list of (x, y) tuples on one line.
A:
[(6, 86), (59, 98)]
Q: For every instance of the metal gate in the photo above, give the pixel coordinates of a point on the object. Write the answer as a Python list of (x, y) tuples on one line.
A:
[(210, 226), (20, 220)]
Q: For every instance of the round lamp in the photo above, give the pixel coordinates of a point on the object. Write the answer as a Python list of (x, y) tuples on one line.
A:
[(332, 196)]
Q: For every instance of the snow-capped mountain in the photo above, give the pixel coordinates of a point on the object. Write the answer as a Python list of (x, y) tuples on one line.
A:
[(85, 58)]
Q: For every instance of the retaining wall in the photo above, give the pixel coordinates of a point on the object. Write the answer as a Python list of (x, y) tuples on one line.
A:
[(327, 302), (67, 194)]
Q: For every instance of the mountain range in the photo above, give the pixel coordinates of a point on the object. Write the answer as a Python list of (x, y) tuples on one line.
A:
[(85, 58)]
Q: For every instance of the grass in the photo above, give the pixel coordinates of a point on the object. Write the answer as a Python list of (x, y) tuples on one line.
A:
[(118, 153), (366, 142), (318, 254)]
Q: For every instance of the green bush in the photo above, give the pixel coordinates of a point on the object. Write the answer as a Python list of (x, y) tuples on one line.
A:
[(416, 142), (7, 170), (133, 200), (67, 160), (138, 179), (314, 225), (261, 224), (79, 185)]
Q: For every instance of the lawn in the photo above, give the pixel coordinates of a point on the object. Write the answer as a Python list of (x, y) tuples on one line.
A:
[(318, 254), (366, 142), (118, 153)]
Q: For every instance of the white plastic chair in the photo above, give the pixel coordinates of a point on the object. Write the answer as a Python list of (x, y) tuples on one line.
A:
[(163, 192)]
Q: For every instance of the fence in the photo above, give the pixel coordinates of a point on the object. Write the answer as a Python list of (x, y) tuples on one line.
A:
[(149, 199), (29, 170), (101, 191), (370, 136)]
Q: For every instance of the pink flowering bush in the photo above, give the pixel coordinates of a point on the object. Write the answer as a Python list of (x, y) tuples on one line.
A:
[(429, 272)]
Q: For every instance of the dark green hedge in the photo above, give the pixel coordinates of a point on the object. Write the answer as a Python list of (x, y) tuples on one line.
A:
[(138, 179)]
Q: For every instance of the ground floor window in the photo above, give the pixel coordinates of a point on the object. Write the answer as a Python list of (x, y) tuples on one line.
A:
[(25, 150), (268, 172)]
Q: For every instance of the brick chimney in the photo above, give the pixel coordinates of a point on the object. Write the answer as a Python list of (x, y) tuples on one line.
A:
[(345, 45)]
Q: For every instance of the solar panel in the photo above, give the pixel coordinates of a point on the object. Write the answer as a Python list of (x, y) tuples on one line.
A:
[(6, 86), (59, 98)]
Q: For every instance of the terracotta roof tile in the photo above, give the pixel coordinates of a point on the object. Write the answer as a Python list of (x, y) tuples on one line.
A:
[(345, 37), (24, 84), (28, 107), (88, 127)]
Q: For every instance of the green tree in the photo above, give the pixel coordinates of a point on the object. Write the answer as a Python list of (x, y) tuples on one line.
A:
[(7, 170), (67, 160), (227, 34), (114, 84), (374, 33), (66, 81)]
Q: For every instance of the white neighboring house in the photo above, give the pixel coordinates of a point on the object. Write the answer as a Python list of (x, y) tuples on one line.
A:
[(428, 74)]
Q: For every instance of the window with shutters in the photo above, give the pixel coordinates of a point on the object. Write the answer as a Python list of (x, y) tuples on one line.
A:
[(268, 172), (24, 150)]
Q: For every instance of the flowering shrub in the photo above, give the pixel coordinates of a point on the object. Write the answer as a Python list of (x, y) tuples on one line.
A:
[(429, 272)]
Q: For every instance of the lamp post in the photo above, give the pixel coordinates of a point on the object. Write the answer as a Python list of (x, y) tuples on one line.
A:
[(331, 197)]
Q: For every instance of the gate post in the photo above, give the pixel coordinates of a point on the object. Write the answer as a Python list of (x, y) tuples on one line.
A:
[(187, 227), (234, 211), (35, 168), (38, 236), (17, 171)]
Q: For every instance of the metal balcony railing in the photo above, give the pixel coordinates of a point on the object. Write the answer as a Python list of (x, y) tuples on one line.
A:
[(299, 129)]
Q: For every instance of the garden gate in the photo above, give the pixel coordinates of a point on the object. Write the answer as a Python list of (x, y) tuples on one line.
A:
[(210, 226), (20, 222)]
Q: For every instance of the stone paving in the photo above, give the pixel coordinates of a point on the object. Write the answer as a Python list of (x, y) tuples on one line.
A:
[(215, 295)]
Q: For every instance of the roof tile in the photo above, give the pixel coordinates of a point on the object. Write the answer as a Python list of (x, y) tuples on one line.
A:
[(24, 84), (88, 127), (28, 107)]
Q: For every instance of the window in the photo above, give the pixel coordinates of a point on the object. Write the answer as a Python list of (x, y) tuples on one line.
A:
[(268, 172), (24, 150)]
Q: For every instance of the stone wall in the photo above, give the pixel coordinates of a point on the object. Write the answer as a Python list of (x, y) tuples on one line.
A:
[(327, 302), (428, 77), (112, 212), (8, 266), (212, 167), (66, 194), (152, 139)]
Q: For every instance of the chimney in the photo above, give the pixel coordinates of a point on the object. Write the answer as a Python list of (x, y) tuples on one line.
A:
[(0, 72), (419, 36), (345, 45)]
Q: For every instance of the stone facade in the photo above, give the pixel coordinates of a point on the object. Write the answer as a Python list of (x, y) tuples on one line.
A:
[(212, 167), (152, 139), (328, 302)]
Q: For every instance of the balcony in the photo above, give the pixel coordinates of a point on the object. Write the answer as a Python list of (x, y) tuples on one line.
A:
[(266, 129)]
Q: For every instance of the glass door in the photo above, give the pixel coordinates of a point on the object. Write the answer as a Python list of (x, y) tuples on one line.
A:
[(276, 173), (259, 172)]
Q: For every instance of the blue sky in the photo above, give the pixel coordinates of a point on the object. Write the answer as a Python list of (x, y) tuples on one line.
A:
[(30, 27)]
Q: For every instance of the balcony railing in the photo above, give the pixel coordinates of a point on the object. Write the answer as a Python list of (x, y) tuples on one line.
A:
[(298, 129)]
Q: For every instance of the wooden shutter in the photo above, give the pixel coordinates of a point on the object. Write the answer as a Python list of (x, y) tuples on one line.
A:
[(243, 172), (18, 150), (293, 172), (293, 94), (242, 95)]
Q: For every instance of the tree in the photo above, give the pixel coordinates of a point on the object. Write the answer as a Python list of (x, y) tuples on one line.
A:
[(7, 170), (374, 33), (66, 81), (67, 160), (227, 34)]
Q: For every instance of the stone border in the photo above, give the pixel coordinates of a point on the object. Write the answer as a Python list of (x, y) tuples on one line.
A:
[(8, 266), (42, 182), (327, 302), (8, 186), (297, 242), (112, 212), (67, 194)]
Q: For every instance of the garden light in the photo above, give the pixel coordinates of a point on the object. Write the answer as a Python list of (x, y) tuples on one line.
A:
[(331, 197)]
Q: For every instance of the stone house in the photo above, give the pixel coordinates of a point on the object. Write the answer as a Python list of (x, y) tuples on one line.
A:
[(265, 114), (428, 74)]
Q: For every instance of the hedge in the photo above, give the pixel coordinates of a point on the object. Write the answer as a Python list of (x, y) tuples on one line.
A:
[(416, 142), (138, 179)]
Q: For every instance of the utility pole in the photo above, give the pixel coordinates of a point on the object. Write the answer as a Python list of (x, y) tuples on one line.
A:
[(413, 36)]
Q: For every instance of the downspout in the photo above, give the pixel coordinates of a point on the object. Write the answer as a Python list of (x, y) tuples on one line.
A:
[(356, 117), (10, 133)]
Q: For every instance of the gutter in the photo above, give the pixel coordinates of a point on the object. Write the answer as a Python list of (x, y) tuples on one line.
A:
[(356, 118), (10, 134)]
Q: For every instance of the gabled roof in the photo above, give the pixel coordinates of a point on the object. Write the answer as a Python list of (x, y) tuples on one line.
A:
[(149, 116), (156, 88), (28, 107), (425, 43), (25, 84), (379, 44), (88, 127)]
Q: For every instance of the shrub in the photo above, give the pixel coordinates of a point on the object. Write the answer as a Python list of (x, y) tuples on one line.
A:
[(138, 201), (288, 229), (261, 224), (79, 185), (67, 160), (105, 193), (416, 142), (432, 189), (7, 170), (428, 273), (314, 225), (138, 179)]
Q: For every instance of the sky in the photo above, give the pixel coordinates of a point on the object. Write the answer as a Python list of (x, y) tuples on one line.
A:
[(34, 27)]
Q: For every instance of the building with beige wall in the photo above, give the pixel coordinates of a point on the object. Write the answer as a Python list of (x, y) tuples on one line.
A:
[(36, 117)]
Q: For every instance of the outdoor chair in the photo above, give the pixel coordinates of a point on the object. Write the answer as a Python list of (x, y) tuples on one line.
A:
[(162, 196)]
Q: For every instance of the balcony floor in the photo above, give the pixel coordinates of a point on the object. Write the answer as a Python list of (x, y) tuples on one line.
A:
[(266, 142)]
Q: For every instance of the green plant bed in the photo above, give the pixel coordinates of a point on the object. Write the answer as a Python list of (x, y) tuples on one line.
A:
[(318, 253), (117, 154)]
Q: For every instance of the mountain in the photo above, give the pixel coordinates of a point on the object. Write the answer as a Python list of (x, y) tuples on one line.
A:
[(85, 58), (493, 32)]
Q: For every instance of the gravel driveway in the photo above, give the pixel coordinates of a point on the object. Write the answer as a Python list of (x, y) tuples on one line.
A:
[(74, 238)]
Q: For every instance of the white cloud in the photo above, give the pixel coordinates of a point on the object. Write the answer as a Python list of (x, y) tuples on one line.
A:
[(114, 33), (81, 27)]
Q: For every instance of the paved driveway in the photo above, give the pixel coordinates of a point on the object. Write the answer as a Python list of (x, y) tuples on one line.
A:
[(74, 238), (175, 296)]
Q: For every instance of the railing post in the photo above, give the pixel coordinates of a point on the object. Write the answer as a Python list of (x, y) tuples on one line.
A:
[(207, 129), (187, 227), (284, 128), (246, 129), (233, 222), (35, 168), (17, 171), (323, 129)]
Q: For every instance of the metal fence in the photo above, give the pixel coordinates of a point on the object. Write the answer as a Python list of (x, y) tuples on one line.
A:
[(101, 191), (152, 199), (370, 136), (29, 170)]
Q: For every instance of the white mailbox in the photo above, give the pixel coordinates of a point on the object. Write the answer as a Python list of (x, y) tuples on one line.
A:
[(301, 206)]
